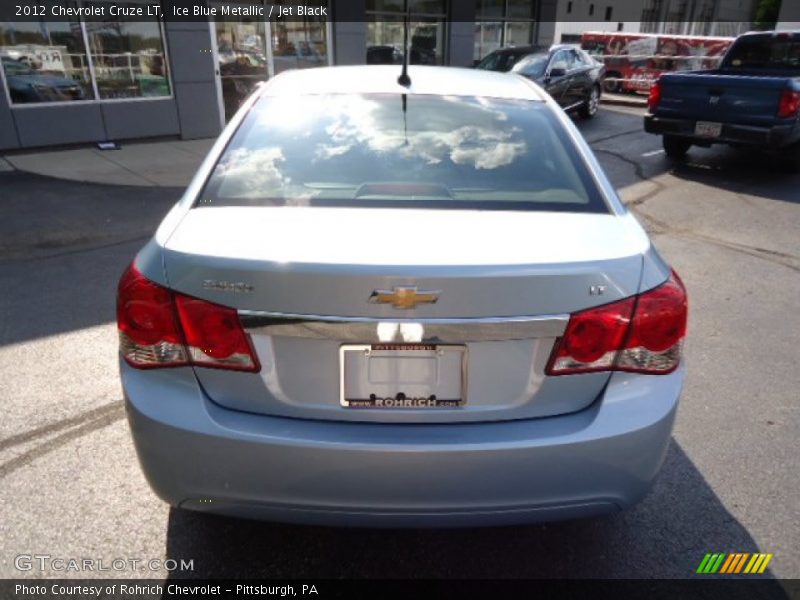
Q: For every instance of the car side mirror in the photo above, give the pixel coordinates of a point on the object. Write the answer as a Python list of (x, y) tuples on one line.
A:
[(557, 72)]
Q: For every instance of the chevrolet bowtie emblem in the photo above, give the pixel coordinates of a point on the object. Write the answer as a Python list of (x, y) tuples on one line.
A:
[(404, 296)]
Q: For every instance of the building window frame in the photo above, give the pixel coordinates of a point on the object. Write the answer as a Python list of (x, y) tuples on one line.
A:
[(95, 90)]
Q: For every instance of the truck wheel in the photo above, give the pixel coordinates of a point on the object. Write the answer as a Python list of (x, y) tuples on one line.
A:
[(676, 147), (589, 108)]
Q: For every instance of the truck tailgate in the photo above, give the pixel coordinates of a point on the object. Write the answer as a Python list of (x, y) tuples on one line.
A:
[(711, 96)]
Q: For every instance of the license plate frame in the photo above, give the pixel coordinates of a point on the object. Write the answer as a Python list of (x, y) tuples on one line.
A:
[(441, 376), (708, 129)]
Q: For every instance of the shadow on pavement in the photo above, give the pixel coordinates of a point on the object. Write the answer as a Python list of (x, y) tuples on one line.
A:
[(63, 246), (629, 156), (743, 171), (666, 536)]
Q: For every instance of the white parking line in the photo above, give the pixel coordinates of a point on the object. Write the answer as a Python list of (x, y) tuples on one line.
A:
[(653, 153)]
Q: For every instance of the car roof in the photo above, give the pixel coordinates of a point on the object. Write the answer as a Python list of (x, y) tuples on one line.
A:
[(779, 33), (382, 79), (521, 50)]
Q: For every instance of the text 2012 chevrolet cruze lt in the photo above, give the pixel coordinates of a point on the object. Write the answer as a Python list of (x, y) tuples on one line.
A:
[(384, 304)]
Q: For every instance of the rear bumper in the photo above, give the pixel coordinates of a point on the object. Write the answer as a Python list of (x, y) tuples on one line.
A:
[(774, 137), (198, 455)]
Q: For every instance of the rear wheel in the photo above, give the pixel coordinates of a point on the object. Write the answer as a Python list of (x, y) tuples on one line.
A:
[(676, 147), (611, 83), (589, 108)]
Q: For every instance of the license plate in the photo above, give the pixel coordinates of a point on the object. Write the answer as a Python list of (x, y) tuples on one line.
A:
[(406, 376), (708, 129)]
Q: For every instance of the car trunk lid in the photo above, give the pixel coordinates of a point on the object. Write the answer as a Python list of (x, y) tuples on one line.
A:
[(302, 283)]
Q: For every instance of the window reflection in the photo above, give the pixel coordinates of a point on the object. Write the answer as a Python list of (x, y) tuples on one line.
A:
[(437, 152), (385, 42), (386, 30), (242, 60), (45, 61), (501, 23), (301, 42), (128, 58)]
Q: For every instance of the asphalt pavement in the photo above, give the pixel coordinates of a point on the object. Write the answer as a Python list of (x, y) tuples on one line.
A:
[(70, 484)]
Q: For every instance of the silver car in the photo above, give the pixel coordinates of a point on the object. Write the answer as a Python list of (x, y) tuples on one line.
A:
[(390, 305)]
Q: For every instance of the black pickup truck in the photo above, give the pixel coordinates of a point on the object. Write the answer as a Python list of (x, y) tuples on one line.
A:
[(752, 99)]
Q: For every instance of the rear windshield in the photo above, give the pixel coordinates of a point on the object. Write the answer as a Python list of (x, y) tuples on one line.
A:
[(500, 61), (402, 151), (533, 65), (779, 52)]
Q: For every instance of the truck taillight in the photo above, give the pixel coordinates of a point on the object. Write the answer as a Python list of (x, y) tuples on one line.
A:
[(643, 334), (159, 328), (789, 104), (654, 97)]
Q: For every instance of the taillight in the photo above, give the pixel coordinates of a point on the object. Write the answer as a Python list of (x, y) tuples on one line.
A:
[(643, 334), (654, 97), (158, 328), (789, 104), (214, 336), (149, 335), (657, 330), (592, 339)]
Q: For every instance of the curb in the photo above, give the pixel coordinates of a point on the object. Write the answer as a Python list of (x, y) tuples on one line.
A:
[(622, 100)]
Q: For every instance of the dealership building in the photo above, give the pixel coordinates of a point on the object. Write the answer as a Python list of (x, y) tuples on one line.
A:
[(79, 80)]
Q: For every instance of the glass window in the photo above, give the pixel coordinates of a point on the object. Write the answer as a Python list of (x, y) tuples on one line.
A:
[(385, 31), (503, 23), (128, 58), (532, 65), (489, 9), (488, 38), (430, 7), (521, 9), (385, 42), (45, 61), (420, 151), (518, 34), (781, 51), (560, 61), (241, 59), (300, 42)]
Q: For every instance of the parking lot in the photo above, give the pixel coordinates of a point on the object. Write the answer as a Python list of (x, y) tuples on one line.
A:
[(728, 221)]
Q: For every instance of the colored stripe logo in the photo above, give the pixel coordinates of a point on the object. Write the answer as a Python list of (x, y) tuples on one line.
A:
[(737, 562)]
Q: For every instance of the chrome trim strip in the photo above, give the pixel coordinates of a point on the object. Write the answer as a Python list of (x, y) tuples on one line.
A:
[(438, 331)]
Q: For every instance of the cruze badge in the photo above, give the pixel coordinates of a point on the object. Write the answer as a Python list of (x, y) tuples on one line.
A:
[(227, 286), (404, 296)]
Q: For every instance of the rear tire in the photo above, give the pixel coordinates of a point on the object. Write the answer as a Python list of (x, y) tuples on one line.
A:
[(589, 108), (676, 147), (612, 87)]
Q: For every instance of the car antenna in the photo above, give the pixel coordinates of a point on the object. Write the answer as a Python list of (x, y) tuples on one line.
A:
[(404, 79)]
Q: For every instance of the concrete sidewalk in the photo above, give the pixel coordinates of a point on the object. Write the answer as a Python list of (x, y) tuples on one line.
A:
[(170, 163)]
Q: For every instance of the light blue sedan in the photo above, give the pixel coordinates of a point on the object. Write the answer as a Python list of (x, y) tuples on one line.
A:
[(401, 305)]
